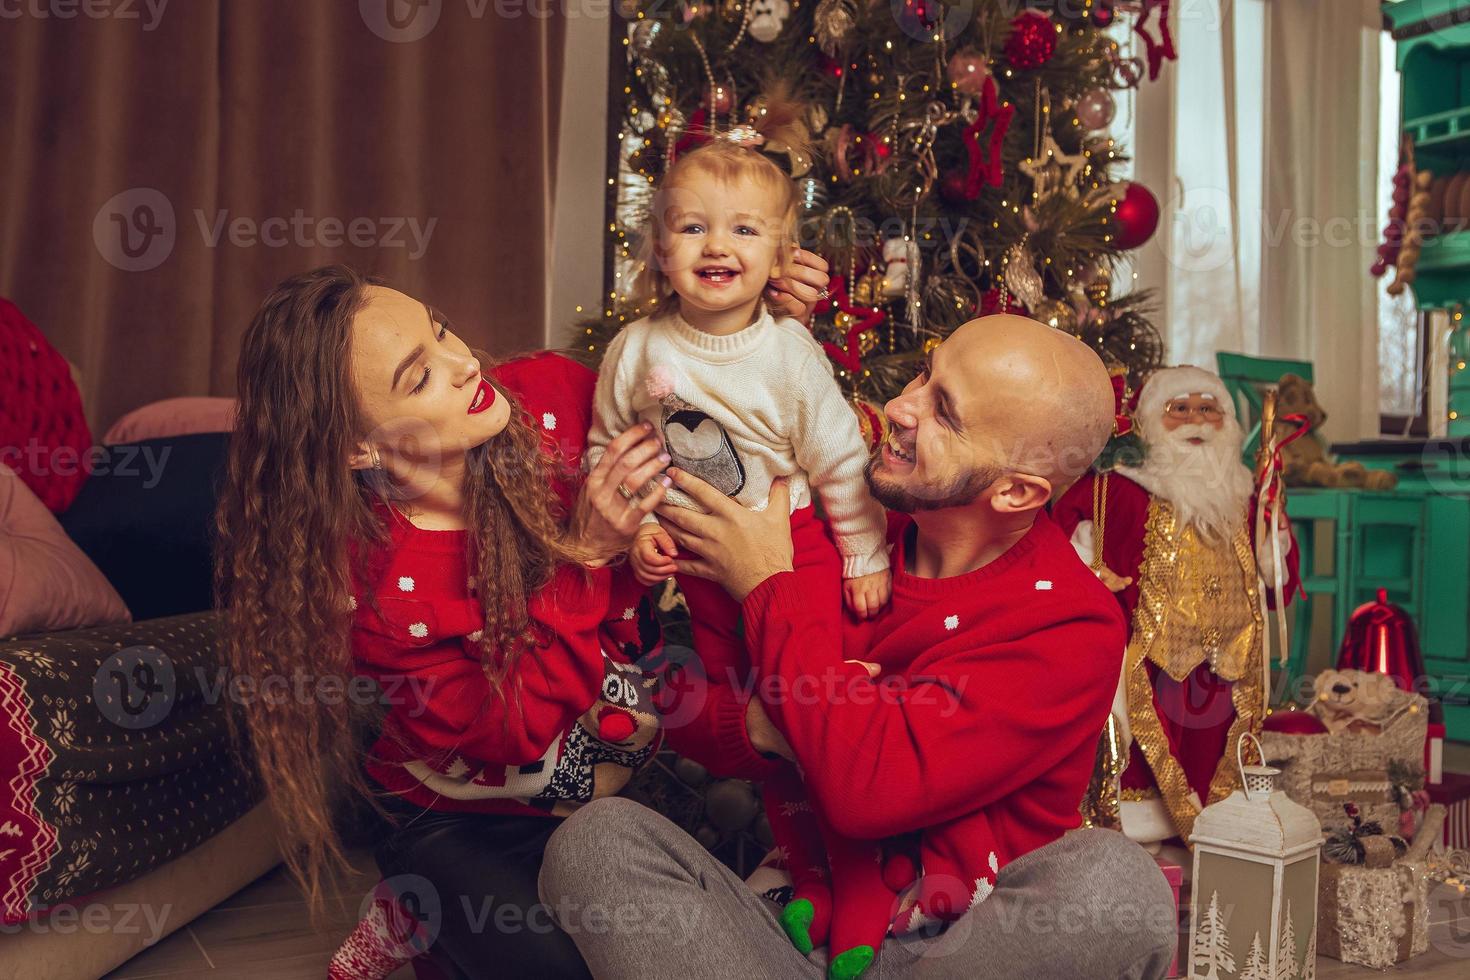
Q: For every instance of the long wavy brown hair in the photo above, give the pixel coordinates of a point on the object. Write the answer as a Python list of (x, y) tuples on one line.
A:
[(297, 527)]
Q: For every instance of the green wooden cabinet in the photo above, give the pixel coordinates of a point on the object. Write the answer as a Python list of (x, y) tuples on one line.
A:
[(1426, 566)]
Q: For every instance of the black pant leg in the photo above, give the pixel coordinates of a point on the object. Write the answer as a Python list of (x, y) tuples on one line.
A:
[(482, 871)]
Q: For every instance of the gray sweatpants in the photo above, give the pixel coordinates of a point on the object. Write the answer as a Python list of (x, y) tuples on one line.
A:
[(644, 901)]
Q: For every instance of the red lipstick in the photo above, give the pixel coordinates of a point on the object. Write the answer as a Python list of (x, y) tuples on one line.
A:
[(483, 399)]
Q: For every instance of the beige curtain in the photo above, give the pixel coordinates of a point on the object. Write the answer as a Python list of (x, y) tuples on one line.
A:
[(1206, 235), (1321, 178), (158, 175)]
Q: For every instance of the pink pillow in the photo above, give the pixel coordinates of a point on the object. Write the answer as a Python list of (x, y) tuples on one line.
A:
[(46, 583), (173, 417), (43, 432)]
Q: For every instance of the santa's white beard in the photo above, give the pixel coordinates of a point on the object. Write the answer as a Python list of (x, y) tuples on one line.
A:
[(1208, 485)]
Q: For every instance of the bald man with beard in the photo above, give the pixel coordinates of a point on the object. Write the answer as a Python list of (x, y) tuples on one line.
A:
[(980, 690)]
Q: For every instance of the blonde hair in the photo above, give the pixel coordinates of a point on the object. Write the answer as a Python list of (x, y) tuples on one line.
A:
[(727, 160)]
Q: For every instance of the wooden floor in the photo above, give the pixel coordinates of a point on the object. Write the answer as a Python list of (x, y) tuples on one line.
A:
[(261, 933)]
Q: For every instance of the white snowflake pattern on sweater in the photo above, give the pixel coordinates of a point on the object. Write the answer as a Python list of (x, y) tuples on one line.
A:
[(951, 623), (405, 583)]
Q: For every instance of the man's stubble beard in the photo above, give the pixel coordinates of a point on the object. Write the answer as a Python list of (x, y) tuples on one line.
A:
[(895, 498)]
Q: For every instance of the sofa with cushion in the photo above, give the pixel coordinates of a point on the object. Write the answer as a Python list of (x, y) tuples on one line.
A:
[(128, 813)]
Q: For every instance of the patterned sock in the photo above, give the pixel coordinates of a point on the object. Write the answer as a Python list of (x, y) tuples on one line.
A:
[(379, 945)]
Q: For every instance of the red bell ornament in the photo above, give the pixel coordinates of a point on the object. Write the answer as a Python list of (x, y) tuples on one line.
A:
[(1381, 639)]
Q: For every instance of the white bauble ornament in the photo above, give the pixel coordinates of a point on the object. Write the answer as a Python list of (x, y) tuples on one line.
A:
[(767, 17)]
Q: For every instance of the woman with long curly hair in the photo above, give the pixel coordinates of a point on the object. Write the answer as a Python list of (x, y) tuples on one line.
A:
[(394, 510)]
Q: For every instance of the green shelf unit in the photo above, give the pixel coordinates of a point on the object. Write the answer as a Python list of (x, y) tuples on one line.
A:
[(1442, 129), (1443, 272), (1432, 52)]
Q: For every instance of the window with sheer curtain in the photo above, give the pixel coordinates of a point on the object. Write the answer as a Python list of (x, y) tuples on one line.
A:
[(1262, 144), (1400, 327)]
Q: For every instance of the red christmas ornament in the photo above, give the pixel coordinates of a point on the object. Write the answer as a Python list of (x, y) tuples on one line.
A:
[(1381, 639), (1157, 50), (849, 355), (1137, 217), (996, 301), (985, 162), (719, 96), (1032, 41), (968, 71)]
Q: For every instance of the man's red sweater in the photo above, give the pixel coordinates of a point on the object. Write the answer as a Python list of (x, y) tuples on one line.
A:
[(994, 688), (450, 742)]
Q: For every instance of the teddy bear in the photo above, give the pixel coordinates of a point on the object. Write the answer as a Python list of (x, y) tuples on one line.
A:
[(1357, 701), (1306, 461)]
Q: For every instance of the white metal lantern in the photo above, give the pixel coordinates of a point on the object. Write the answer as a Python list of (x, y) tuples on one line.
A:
[(1254, 910)]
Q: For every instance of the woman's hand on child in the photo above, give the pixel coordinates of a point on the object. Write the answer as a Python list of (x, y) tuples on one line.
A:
[(867, 594), (609, 510), (652, 555), (797, 292)]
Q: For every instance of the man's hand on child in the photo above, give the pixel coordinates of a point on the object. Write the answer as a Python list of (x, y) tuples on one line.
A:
[(652, 555), (797, 292), (867, 594), (737, 548)]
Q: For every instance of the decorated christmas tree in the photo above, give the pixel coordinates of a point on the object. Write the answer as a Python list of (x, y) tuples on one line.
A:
[(962, 163)]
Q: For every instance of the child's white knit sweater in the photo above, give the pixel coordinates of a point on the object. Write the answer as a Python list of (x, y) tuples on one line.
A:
[(739, 411)]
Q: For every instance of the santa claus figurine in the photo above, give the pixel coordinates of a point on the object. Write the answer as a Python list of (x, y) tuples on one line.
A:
[(1173, 537)]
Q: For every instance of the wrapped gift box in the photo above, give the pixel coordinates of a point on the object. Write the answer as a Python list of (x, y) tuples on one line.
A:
[(1373, 916), (1325, 771), (1378, 917)]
